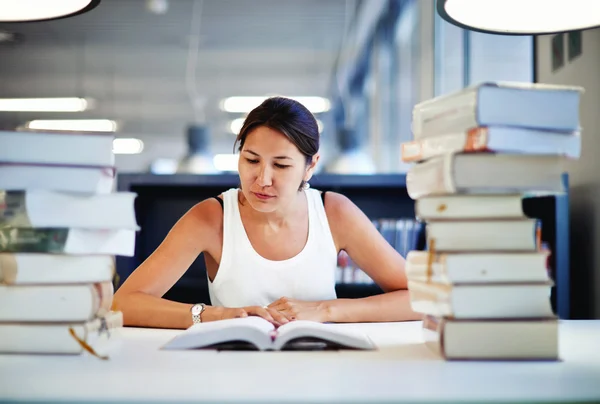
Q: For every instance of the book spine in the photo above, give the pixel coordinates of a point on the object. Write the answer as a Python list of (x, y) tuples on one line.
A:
[(33, 240), (455, 113), (473, 140), (13, 209), (432, 177)]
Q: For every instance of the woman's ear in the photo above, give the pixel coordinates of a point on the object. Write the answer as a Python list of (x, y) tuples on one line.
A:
[(310, 169)]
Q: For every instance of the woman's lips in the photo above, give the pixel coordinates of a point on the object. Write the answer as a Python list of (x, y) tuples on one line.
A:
[(262, 196)]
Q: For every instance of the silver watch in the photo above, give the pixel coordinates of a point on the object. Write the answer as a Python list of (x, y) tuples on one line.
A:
[(196, 311)]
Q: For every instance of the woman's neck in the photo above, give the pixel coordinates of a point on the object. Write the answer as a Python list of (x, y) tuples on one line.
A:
[(279, 218)]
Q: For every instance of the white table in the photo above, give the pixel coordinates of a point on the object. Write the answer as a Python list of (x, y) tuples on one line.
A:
[(403, 369)]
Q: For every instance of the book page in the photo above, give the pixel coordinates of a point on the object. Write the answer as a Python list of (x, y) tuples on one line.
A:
[(251, 330), (314, 335)]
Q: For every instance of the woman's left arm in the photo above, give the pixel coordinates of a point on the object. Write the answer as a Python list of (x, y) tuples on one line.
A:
[(353, 232)]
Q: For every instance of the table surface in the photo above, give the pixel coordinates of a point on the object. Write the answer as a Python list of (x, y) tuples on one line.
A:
[(402, 369)]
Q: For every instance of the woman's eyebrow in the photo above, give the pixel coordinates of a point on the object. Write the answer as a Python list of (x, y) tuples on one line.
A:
[(276, 157)]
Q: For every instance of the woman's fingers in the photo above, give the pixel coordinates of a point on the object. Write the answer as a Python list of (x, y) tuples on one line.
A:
[(279, 316)]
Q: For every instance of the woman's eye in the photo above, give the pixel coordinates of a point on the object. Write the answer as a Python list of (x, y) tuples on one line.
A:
[(252, 161), (281, 166)]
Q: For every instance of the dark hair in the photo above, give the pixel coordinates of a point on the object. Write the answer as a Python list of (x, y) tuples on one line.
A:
[(287, 116)]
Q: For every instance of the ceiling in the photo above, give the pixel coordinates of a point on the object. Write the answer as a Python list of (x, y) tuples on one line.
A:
[(134, 62)]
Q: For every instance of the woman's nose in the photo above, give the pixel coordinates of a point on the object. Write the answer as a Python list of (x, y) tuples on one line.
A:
[(264, 178)]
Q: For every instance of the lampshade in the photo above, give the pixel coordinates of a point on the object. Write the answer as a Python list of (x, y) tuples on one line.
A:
[(521, 17), (38, 10)]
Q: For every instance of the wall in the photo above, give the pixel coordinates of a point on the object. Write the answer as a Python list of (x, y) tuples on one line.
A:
[(584, 173)]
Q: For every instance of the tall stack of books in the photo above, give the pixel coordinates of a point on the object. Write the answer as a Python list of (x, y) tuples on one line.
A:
[(61, 225), (483, 283)]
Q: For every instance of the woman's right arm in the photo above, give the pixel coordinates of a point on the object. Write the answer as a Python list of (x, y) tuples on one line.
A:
[(140, 297)]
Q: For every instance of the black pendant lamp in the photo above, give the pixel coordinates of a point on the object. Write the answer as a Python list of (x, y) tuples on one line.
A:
[(42, 10), (521, 17)]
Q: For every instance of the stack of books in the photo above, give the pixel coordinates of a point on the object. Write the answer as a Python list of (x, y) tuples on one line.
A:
[(61, 225), (483, 283)]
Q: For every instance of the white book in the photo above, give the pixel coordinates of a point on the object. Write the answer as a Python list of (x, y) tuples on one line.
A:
[(54, 303), (484, 235), (484, 267), (54, 338), (62, 178), (57, 148), (29, 269), (74, 241), (486, 173), (527, 105), (43, 208), (259, 334), (492, 339), (487, 206), (496, 139), (482, 301)]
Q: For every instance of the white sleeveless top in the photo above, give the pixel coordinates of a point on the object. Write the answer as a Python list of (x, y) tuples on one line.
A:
[(245, 278)]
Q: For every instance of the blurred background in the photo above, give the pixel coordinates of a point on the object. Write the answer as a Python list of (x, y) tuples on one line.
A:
[(161, 74)]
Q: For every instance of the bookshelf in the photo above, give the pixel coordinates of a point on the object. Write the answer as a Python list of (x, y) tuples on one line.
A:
[(163, 199)]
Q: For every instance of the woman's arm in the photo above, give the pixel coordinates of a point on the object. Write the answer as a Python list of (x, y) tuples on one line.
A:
[(140, 296), (353, 232)]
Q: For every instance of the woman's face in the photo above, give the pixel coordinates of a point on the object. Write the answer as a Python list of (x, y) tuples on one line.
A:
[(271, 169)]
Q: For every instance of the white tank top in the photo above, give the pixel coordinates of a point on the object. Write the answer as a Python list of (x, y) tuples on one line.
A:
[(245, 278)]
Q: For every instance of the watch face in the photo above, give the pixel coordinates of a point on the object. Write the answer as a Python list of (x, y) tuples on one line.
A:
[(196, 309)]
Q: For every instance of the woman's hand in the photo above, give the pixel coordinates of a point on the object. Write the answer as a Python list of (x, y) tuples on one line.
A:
[(223, 313), (294, 309)]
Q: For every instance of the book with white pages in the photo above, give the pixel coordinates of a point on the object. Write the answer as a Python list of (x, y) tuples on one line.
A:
[(515, 104), (256, 333), (55, 147), (502, 339), (510, 235), (101, 333), (483, 267), (486, 173), (496, 139), (39, 268), (85, 179), (71, 302), (482, 301), (44, 208), (75, 241), (460, 206)]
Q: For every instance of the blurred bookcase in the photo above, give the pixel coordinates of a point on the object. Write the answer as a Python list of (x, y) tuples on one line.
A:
[(163, 199)]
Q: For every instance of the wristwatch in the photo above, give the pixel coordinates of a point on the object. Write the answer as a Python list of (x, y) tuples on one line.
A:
[(196, 311)]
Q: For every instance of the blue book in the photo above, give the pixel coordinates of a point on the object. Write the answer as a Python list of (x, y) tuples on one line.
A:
[(525, 105)]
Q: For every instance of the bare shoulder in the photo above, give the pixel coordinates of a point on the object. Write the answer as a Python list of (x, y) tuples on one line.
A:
[(207, 213), (344, 217)]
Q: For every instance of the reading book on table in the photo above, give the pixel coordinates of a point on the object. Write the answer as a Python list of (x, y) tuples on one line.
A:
[(256, 333)]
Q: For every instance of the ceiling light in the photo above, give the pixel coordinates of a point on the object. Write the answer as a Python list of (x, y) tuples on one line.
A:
[(82, 125), (226, 162), (127, 146), (44, 104), (36, 10), (246, 104), (236, 125), (521, 17)]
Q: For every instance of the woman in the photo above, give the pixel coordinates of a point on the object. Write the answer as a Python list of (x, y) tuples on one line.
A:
[(271, 246)]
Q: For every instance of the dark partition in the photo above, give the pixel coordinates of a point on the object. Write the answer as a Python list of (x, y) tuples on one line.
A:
[(163, 199)]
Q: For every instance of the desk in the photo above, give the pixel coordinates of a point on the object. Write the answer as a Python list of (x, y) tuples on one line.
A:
[(403, 369)]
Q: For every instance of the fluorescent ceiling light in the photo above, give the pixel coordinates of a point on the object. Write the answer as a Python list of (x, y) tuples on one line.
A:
[(83, 125), (236, 125), (127, 146), (521, 17), (246, 104), (44, 104), (36, 10), (226, 162)]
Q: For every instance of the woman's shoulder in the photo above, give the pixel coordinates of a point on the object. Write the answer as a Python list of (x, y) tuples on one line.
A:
[(337, 205), (209, 211)]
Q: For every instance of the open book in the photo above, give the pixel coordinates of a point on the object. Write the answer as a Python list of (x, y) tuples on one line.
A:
[(255, 333)]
